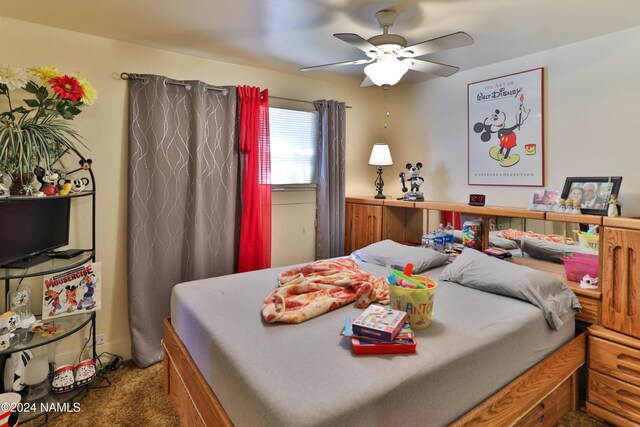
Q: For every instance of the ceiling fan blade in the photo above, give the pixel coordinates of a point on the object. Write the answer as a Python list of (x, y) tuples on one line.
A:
[(366, 82), (357, 41), (338, 64), (449, 41), (432, 67)]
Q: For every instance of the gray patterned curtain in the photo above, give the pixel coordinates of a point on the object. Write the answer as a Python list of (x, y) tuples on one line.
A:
[(330, 193), (183, 199)]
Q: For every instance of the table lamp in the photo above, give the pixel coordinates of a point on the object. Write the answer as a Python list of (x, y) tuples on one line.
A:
[(380, 156)]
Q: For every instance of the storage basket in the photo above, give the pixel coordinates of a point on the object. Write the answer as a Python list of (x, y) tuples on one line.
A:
[(578, 265), (589, 240), (418, 303)]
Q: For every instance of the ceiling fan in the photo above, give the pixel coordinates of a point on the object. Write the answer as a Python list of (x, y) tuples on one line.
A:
[(389, 57)]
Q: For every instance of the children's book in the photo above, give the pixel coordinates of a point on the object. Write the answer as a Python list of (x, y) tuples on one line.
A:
[(404, 336), (72, 292), (379, 322)]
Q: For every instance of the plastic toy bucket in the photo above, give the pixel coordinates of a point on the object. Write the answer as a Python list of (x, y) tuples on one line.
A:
[(589, 241), (418, 303)]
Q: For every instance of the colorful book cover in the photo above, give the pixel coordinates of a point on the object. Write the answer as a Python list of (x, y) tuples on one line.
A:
[(379, 322), (404, 336), (72, 292)]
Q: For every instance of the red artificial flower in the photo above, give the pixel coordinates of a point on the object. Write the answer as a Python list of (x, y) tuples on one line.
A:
[(67, 87)]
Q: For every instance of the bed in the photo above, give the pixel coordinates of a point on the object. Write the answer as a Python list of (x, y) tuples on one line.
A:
[(486, 358)]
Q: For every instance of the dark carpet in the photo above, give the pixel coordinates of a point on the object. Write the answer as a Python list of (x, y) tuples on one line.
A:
[(136, 398)]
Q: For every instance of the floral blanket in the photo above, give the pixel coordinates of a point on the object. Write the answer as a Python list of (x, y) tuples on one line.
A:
[(313, 289), (517, 234)]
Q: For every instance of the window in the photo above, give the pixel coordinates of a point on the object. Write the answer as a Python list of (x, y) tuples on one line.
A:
[(293, 137)]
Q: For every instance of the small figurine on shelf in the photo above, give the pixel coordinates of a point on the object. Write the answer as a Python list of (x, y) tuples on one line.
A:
[(576, 208), (589, 282), (415, 181), (614, 206), (47, 180), (78, 184), (569, 206), (562, 206), (65, 189)]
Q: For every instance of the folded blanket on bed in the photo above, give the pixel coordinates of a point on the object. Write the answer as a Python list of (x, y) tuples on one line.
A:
[(313, 289)]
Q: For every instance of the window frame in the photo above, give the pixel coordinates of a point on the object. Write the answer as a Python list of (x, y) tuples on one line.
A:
[(299, 186)]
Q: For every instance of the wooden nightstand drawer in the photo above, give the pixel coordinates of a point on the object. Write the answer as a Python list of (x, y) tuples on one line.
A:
[(615, 396), (616, 360), (590, 309)]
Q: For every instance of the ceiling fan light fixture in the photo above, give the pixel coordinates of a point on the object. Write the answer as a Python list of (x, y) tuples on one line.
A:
[(387, 71)]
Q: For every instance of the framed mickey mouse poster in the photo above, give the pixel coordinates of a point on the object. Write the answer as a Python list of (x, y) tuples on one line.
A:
[(505, 130)]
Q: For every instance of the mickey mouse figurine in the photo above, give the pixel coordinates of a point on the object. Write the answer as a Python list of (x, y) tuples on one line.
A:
[(47, 180), (415, 181)]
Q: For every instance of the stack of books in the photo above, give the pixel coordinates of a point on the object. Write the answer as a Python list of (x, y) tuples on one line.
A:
[(380, 330)]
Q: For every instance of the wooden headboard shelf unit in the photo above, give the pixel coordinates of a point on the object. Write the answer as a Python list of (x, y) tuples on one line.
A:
[(614, 309)]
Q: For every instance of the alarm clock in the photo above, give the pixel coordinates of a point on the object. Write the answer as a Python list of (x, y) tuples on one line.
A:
[(476, 199)]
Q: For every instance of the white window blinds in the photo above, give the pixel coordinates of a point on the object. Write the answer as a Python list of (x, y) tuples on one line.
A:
[(294, 137)]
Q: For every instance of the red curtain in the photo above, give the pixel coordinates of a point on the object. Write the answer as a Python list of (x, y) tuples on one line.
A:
[(453, 218), (255, 227)]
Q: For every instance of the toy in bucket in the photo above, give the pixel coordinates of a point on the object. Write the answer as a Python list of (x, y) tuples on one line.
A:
[(414, 295)]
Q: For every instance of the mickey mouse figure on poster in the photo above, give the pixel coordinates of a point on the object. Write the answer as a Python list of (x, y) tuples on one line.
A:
[(495, 123), (415, 181)]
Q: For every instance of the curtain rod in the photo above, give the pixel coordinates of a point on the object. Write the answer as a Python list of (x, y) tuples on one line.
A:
[(129, 76), (296, 100)]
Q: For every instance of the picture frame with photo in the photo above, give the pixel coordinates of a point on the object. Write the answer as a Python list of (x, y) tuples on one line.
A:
[(592, 192), (544, 199)]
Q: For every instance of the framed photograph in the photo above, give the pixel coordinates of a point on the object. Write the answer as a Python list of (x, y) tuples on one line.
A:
[(505, 130), (544, 200), (592, 192)]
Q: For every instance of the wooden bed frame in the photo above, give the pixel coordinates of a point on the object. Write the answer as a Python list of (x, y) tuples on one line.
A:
[(540, 396)]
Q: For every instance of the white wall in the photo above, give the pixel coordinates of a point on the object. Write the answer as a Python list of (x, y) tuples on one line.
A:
[(591, 116), (104, 125), (293, 233)]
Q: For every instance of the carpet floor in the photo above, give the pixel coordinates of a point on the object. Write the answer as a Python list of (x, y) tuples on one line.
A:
[(136, 398)]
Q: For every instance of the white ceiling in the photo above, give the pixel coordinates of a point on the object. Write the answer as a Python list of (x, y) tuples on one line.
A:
[(288, 34)]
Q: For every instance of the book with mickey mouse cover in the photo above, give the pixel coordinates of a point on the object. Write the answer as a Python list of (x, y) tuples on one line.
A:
[(72, 292)]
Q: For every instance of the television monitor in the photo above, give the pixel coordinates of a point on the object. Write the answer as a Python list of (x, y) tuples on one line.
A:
[(31, 227)]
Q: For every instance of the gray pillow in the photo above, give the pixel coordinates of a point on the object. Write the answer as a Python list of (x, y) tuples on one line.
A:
[(498, 242), (479, 271), (550, 251), (388, 252)]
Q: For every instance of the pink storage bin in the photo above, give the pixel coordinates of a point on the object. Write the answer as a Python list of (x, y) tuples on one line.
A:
[(578, 265)]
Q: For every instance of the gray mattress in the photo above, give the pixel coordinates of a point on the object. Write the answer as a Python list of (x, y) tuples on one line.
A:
[(306, 374)]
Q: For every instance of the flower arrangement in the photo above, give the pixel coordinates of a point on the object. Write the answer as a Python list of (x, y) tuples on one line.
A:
[(38, 133)]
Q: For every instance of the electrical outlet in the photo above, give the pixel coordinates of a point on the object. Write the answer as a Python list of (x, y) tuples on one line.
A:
[(99, 339)]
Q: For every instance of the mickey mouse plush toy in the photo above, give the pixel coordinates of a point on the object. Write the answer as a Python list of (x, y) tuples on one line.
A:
[(415, 181)]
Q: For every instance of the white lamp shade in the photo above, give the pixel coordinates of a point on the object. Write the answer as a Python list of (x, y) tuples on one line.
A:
[(380, 156), (387, 70)]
